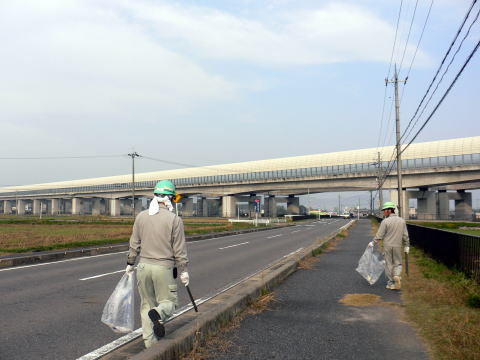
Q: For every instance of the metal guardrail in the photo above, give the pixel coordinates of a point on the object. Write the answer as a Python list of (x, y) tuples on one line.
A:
[(455, 250)]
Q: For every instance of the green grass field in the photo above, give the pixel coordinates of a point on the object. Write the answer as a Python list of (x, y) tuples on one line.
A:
[(469, 228)]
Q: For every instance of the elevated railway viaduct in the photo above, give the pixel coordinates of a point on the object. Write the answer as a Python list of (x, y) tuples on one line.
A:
[(433, 173)]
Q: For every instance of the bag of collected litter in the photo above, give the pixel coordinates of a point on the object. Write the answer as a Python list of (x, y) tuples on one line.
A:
[(371, 265), (118, 312)]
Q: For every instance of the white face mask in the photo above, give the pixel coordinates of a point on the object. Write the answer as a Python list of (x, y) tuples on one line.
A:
[(155, 204)]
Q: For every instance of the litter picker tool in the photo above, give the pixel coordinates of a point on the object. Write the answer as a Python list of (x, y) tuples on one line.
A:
[(191, 298)]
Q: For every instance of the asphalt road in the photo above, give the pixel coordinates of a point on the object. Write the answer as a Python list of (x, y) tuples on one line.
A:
[(48, 312), (307, 321)]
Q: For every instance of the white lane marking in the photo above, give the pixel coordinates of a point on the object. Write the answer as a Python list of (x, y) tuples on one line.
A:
[(97, 354), (226, 247), (293, 252), (62, 261), (101, 275), (309, 225), (274, 236), (296, 231)]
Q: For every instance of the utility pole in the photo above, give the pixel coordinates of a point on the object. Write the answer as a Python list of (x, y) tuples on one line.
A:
[(395, 81), (358, 208), (371, 202), (133, 155), (379, 179), (338, 205)]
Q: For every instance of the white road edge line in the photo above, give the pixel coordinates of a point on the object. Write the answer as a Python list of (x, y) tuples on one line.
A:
[(296, 231), (115, 253), (274, 236), (101, 275), (227, 247), (62, 261), (97, 354)]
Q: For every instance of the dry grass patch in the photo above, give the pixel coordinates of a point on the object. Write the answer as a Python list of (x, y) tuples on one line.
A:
[(307, 263), (25, 235), (219, 343), (361, 300)]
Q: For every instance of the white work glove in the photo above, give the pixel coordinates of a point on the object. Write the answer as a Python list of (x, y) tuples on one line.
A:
[(371, 244), (184, 278), (406, 249), (129, 269)]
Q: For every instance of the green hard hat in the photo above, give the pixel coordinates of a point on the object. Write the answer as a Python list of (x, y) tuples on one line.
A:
[(165, 187), (388, 205)]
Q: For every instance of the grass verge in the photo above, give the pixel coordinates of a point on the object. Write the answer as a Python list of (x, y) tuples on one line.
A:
[(443, 305)]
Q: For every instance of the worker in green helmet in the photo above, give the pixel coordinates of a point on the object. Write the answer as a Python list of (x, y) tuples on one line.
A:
[(393, 233), (158, 239)]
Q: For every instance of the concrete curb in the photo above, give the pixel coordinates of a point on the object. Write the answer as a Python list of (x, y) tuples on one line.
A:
[(10, 261), (191, 329)]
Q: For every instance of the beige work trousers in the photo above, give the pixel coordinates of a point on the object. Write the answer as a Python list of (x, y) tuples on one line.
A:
[(158, 290), (393, 262)]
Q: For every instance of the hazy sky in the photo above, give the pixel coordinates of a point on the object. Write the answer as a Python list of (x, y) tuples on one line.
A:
[(214, 82)]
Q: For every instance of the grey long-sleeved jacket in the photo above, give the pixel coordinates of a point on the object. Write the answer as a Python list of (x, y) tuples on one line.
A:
[(393, 232), (159, 238)]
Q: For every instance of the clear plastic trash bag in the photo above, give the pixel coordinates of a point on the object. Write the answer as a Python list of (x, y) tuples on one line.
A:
[(371, 265), (118, 312)]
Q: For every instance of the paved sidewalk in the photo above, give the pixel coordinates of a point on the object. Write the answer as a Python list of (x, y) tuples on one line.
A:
[(308, 322)]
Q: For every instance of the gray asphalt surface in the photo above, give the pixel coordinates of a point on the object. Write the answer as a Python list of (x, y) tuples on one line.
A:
[(47, 312), (307, 321)]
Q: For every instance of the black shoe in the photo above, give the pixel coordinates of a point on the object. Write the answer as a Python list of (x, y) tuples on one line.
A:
[(158, 328)]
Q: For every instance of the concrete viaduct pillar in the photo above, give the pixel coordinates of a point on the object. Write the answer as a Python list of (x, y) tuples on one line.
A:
[(443, 205), (202, 206), (114, 207), (463, 205), (76, 206), (21, 207), (138, 206), (229, 206), (97, 206), (270, 206), (293, 205), (426, 205), (37, 205), (54, 206), (187, 206), (7, 207)]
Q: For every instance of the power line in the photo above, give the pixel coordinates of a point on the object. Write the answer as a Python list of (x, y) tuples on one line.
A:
[(408, 37), (392, 163), (389, 69), (192, 166), (395, 39), (420, 38), (167, 161), (443, 75), (444, 95), (62, 157), (441, 64)]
